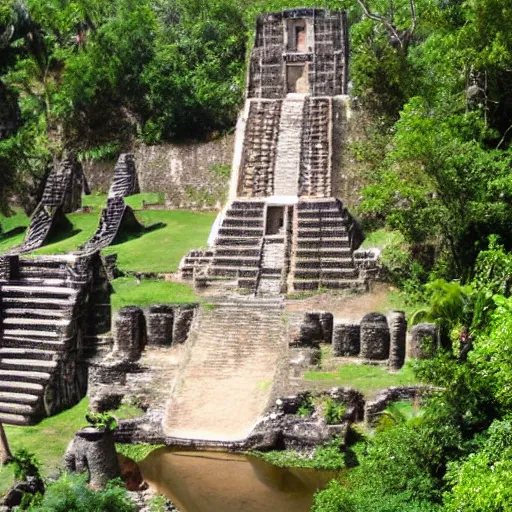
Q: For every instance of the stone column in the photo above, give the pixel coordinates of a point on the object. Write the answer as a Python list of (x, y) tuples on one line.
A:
[(93, 449), (130, 332), (398, 335), (346, 341), (423, 341), (160, 325), (183, 317), (374, 337), (326, 321)]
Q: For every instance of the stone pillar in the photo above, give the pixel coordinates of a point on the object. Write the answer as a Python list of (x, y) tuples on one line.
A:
[(423, 341), (183, 317), (374, 337), (398, 335), (130, 332), (326, 321), (93, 449), (346, 341), (160, 325)]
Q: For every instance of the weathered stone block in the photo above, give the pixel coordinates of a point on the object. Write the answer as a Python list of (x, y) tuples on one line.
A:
[(423, 341), (130, 333), (374, 337), (346, 340), (160, 325), (327, 321), (398, 335), (183, 316)]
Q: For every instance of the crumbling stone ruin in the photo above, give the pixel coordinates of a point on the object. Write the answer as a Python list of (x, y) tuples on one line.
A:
[(117, 217), (283, 230), (53, 313), (62, 194)]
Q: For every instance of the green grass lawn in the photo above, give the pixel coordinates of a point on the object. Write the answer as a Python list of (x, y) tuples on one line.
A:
[(150, 291), (159, 250), (48, 440), (368, 379), (162, 249)]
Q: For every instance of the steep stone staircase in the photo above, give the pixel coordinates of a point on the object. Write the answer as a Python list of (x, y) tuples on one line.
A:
[(116, 213), (237, 251), (125, 181), (323, 248), (38, 340), (56, 188), (260, 148), (224, 388), (272, 266), (315, 163), (110, 222), (288, 147)]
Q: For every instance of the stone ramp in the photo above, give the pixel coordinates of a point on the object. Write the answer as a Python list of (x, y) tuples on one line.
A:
[(227, 384)]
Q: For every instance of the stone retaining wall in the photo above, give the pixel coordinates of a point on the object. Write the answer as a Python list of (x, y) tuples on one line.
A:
[(185, 173)]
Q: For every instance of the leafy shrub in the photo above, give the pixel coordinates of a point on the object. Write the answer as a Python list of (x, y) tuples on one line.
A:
[(71, 493), (102, 420), (333, 411), (25, 464), (306, 406)]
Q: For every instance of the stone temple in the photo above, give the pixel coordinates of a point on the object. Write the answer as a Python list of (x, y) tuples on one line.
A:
[(283, 229)]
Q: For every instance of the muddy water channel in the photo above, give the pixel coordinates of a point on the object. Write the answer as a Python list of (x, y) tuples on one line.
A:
[(220, 482)]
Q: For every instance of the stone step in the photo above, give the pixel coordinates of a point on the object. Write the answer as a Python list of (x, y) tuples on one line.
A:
[(32, 343), (14, 386), (34, 377), (233, 271), (326, 273), (27, 364), (14, 419), (42, 302), (19, 398), (323, 263), (244, 241), (15, 408), (62, 322), (317, 243), (36, 313), (26, 353), (30, 333), (37, 290)]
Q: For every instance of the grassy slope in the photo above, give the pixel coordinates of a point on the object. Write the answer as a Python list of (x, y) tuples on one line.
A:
[(150, 291), (366, 378), (156, 251), (48, 440)]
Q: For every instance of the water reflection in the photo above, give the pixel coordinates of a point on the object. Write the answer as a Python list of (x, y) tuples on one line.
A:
[(220, 482)]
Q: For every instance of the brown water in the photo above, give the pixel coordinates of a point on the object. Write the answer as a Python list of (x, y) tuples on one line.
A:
[(220, 482)]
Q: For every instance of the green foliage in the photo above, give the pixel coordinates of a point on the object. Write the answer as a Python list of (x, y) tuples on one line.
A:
[(333, 411), (71, 492), (25, 464), (329, 457), (102, 420), (306, 406), (483, 481), (137, 452), (449, 305)]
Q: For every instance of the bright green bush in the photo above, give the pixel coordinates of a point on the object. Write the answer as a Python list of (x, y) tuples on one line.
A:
[(70, 493)]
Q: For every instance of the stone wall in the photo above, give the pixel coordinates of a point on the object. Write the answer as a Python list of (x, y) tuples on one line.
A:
[(185, 173)]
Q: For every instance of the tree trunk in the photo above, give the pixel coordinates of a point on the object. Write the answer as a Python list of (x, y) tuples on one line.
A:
[(5, 451)]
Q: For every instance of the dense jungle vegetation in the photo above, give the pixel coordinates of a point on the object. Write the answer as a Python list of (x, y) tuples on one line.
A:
[(433, 79)]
